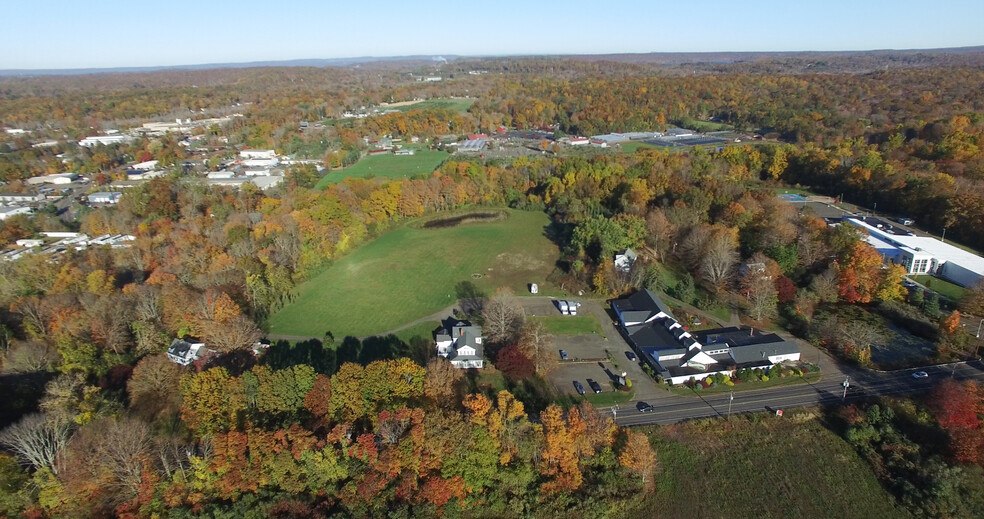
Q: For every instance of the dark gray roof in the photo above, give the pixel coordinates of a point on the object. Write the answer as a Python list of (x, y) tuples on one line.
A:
[(736, 336), (179, 348), (752, 353), (636, 316), (652, 335), (646, 300)]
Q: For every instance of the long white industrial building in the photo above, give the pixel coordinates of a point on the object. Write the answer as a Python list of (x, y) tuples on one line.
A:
[(922, 254)]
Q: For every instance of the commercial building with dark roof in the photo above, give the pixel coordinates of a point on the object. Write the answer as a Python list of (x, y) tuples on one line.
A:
[(678, 355)]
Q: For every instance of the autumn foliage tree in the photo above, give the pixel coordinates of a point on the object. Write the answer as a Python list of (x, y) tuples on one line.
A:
[(638, 456), (956, 407), (860, 274)]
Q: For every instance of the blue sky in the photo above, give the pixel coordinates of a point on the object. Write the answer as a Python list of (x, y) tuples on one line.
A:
[(113, 33)]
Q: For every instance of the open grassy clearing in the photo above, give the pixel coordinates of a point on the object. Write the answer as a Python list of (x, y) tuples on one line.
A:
[(410, 272), (941, 286), (458, 105), (423, 330), (388, 166), (761, 466), (570, 325), (631, 147)]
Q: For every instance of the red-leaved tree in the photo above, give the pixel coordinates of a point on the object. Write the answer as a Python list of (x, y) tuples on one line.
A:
[(513, 363)]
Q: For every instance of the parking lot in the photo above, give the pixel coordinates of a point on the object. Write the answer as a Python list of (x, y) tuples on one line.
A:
[(586, 354), (564, 377)]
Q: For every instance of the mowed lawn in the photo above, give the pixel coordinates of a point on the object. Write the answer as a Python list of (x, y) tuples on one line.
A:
[(410, 273), (762, 466), (388, 166), (570, 325), (460, 105), (941, 286)]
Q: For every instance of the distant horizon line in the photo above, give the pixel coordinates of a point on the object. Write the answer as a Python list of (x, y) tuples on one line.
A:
[(359, 60)]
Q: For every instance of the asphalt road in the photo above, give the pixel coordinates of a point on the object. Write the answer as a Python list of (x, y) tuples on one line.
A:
[(829, 390)]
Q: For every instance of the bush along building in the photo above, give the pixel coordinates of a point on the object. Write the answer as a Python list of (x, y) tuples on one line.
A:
[(678, 355)]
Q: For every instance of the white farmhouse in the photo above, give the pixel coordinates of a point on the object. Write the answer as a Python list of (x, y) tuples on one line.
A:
[(185, 351), (461, 343)]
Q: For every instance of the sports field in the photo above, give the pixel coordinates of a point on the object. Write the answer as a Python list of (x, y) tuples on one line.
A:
[(388, 166), (410, 273)]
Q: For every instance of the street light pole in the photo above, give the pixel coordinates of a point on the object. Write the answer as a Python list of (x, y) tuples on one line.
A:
[(730, 399), (846, 384)]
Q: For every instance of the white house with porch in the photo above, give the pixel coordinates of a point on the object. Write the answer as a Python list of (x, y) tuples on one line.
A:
[(461, 343)]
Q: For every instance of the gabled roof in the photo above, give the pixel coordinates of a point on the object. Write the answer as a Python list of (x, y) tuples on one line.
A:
[(643, 300)]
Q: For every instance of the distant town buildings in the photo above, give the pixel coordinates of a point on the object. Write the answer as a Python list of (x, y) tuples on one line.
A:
[(7, 212), (104, 197), (58, 178), (59, 242), (105, 140)]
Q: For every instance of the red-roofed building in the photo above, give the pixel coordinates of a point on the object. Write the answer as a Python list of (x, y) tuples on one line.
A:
[(477, 136)]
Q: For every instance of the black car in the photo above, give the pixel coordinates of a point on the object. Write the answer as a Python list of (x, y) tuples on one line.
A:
[(631, 356), (595, 386), (643, 407), (578, 387)]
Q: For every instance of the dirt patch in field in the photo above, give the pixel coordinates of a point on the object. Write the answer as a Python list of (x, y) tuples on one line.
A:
[(513, 261)]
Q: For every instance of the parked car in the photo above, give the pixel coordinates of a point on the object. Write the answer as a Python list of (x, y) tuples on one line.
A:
[(905, 221), (643, 407), (920, 374), (578, 387), (595, 386), (563, 355), (631, 356)]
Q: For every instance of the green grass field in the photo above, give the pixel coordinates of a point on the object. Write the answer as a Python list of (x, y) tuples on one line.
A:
[(388, 166), (631, 147), (761, 466), (457, 105), (609, 396), (424, 330), (570, 325), (409, 273), (941, 286)]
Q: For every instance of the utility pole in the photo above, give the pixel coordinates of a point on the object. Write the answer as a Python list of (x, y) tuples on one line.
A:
[(846, 384), (943, 238), (615, 412), (730, 399), (978, 347)]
